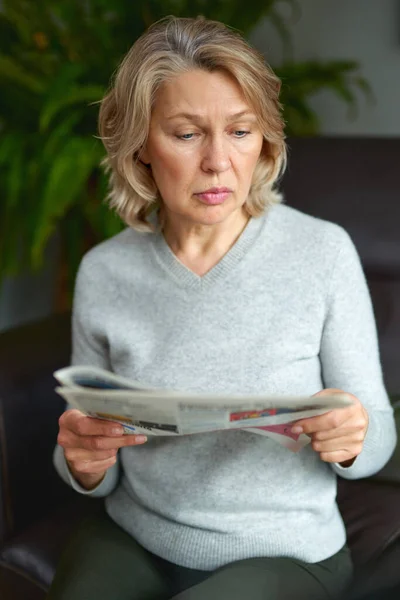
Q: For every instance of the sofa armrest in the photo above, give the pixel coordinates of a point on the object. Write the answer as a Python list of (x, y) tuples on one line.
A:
[(29, 412)]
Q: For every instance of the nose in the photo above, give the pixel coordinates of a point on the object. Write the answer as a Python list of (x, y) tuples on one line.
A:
[(216, 155)]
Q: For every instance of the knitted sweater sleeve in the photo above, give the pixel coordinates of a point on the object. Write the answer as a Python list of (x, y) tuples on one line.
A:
[(87, 349), (350, 359)]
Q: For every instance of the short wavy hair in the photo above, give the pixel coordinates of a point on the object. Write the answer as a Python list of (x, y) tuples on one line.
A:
[(168, 48)]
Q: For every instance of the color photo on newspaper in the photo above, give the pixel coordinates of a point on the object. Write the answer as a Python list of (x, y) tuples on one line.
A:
[(269, 412)]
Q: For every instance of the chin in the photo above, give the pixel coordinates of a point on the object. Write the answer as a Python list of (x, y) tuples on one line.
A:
[(213, 215), (222, 212)]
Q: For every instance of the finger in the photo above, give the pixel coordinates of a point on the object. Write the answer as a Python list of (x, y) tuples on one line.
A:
[(81, 424), (106, 443), (326, 422), (93, 466), (348, 429), (339, 456), (338, 444), (73, 454), (67, 439), (330, 392)]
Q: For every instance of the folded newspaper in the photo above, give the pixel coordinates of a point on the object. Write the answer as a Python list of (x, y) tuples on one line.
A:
[(142, 409)]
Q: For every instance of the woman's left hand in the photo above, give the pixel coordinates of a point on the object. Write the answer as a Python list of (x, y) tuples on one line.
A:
[(338, 435)]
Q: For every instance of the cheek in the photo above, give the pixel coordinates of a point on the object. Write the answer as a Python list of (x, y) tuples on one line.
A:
[(173, 156), (247, 164), (165, 162), (248, 156), (172, 172)]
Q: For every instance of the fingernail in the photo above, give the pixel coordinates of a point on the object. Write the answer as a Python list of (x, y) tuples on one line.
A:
[(141, 439), (297, 429), (117, 431)]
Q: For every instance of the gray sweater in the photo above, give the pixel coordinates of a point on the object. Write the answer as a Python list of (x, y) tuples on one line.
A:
[(286, 311)]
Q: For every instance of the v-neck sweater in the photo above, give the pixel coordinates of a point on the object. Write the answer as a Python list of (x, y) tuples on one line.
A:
[(286, 311), (185, 277)]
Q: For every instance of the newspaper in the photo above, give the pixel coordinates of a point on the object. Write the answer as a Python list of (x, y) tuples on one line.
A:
[(142, 409)]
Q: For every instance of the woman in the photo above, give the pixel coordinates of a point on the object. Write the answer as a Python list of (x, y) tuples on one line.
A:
[(216, 287)]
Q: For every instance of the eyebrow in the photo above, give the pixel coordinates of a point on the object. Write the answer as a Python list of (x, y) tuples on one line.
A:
[(195, 117)]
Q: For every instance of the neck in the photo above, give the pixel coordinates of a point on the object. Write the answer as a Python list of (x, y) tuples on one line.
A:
[(200, 247)]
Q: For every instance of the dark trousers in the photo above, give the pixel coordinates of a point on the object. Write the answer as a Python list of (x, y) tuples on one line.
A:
[(102, 562)]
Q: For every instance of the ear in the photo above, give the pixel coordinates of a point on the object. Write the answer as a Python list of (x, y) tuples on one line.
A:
[(144, 156)]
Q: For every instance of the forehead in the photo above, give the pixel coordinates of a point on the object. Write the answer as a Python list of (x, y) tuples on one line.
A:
[(199, 92)]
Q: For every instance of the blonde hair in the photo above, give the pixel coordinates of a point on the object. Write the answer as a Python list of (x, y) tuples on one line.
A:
[(168, 48)]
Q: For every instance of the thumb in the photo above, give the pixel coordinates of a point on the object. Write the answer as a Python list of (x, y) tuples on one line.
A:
[(328, 392)]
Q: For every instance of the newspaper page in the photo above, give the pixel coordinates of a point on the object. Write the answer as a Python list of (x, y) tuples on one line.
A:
[(141, 409)]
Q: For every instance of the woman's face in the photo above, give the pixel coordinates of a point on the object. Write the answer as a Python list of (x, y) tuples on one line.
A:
[(203, 135)]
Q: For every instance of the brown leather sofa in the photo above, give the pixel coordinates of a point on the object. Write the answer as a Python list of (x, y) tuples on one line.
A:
[(353, 182)]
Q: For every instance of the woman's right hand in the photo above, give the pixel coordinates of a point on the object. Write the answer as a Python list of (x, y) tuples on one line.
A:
[(91, 445)]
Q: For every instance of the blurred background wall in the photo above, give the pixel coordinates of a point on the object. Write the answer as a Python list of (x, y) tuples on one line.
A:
[(367, 31)]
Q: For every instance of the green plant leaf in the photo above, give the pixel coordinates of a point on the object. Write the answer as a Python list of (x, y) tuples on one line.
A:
[(16, 176), (69, 74), (66, 183), (300, 119), (302, 80), (103, 222), (9, 143), (73, 245), (365, 87), (56, 137), (60, 85), (16, 13), (12, 71), (345, 93), (82, 95)]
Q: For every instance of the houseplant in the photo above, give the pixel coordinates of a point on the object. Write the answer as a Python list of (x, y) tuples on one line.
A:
[(56, 59)]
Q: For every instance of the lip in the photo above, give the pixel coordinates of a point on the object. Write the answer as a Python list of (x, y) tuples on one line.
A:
[(214, 196), (215, 190)]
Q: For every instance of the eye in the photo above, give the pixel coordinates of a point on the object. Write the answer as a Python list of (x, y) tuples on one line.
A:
[(241, 133), (184, 136)]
